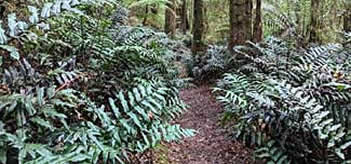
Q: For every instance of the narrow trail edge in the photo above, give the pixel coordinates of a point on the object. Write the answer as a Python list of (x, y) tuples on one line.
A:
[(211, 145)]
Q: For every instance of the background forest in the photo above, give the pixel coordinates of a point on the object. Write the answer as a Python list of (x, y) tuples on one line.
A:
[(97, 81)]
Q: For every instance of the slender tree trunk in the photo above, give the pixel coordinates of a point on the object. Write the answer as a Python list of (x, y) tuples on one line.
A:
[(347, 17), (184, 17), (315, 23), (146, 14), (304, 29), (335, 20), (171, 18), (191, 15), (240, 13), (205, 18), (258, 31), (198, 26), (297, 12)]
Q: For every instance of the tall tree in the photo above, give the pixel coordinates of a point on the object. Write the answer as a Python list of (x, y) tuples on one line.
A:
[(171, 18), (315, 21), (347, 16), (240, 13), (258, 31), (198, 26), (184, 17)]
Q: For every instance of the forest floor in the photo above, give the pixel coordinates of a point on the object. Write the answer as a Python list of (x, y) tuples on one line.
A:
[(212, 143)]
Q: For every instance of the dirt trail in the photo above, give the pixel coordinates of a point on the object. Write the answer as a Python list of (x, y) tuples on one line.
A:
[(212, 144)]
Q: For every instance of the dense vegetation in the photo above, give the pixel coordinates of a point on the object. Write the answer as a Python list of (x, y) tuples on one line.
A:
[(75, 88), (97, 81), (293, 105)]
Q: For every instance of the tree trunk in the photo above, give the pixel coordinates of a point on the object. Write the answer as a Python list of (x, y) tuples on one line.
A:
[(347, 17), (170, 18), (315, 23), (198, 26), (146, 14), (205, 20), (184, 17), (240, 13), (258, 32), (298, 15)]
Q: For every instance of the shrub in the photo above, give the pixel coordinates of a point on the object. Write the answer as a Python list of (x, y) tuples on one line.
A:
[(291, 104), (213, 63), (76, 89)]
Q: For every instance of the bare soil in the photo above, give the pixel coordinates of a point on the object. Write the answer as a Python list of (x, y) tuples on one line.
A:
[(212, 144)]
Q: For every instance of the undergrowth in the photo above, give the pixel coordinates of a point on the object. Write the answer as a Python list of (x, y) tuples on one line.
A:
[(291, 104), (80, 86)]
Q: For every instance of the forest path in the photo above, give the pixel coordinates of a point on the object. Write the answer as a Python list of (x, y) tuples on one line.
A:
[(211, 145)]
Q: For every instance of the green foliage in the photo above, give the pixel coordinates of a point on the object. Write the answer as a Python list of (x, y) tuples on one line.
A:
[(144, 3), (148, 12), (292, 19), (82, 89), (213, 63), (291, 104)]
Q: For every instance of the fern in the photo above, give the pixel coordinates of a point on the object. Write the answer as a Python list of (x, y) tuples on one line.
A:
[(272, 154), (290, 103), (77, 95)]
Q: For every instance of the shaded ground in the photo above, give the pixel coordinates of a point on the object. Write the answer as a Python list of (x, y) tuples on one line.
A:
[(212, 144)]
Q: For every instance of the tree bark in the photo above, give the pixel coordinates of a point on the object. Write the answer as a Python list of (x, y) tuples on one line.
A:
[(240, 13), (315, 22), (198, 27), (258, 31), (146, 14), (205, 20), (184, 17), (298, 15), (171, 18), (347, 17)]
